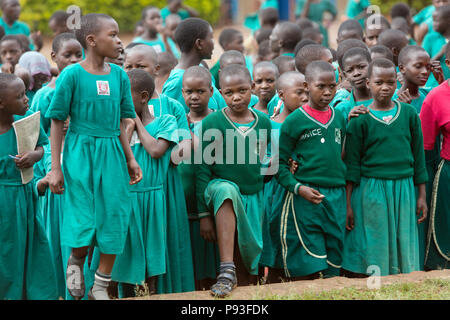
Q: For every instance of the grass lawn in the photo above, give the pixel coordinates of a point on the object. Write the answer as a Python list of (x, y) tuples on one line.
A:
[(429, 289)]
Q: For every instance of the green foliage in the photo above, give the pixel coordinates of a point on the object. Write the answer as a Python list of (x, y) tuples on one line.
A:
[(386, 5), (126, 12)]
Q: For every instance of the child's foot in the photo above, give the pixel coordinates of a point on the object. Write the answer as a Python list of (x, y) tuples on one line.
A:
[(100, 289), (75, 277), (101, 294), (226, 282)]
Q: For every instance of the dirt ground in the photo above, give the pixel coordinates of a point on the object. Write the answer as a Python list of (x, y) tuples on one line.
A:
[(299, 287)]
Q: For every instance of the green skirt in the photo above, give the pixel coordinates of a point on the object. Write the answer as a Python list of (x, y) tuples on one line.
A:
[(145, 248), (312, 235), (179, 276), (205, 254), (26, 265), (249, 211), (437, 255), (274, 194), (385, 234)]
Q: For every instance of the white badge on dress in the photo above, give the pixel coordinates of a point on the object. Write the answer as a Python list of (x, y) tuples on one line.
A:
[(103, 88)]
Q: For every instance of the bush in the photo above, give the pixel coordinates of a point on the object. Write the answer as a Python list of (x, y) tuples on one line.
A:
[(126, 12), (386, 5)]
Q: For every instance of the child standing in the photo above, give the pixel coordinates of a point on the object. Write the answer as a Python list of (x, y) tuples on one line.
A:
[(144, 256), (435, 117), (265, 75), (284, 38), (10, 52), (313, 216), (97, 207), (381, 200), (229, 179), (27, 271)]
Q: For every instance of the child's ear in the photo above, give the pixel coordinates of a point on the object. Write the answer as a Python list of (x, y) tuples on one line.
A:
[(90, 40), (401, 68), (212, 91), (145, 97), (157, 69), (53, 55), (198, 44), (305, 85), (281, 94)]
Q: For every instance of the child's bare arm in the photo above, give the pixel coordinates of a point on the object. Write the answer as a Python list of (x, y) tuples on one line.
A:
[(350, 223), (155, 147), (56, 181), (134, 170), (422, 203)]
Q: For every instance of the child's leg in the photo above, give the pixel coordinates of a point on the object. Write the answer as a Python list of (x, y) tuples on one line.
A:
[(102, 277), (75, 273)]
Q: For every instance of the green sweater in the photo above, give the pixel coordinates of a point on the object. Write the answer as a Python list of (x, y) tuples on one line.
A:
[(317, 147), (237, 163), (393, 150)]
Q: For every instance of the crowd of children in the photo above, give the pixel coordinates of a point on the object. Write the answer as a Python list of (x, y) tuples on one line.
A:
[(153, 171)]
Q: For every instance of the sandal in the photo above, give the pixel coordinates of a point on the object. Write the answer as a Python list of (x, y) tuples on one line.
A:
[(226, 282)]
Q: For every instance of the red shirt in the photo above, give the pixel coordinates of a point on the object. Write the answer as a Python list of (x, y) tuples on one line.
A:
[(321, 116), (435, 118)]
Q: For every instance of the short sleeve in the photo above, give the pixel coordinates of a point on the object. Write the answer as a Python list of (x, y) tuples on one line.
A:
[(126, 103), (182, 124), (167, 127), (353, 149), (62, 99)]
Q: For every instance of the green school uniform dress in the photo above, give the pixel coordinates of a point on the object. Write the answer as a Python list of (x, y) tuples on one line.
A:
[(51, 207), (355, 8), (159, 45), (26, 267), (97, 197), (424, 14), (433, 43), (384, 200), (316, 11), (145, 249), (41, 102), (173, 89), (205, 254), (348, 104), (252, 21), (165, 12), (18, 27), (312, 235), (231, 169), (179, 276)]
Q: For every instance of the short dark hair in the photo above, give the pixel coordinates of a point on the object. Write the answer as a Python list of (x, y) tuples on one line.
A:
[(5, 80), (308, 54), (145, 11), (380, 63), (266, 64), (90, 24), (264, 48), (303, 43), (12, 37), (227, 36), (393, 38), (198, 72), (60, 39), (167, 62), (356, 52), (383, 50), (189, 31), (231, 54), (400, 9), (406, 52), (291, 34), (234, 70), (269, 16), (263, 34), (346, 45), (351, 24), (310, 33), (141, 80), (316, 68), (304, 23), (370, 20), (60, 17), (279, 61)]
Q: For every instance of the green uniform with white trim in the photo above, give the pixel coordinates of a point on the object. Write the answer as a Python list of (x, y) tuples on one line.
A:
[(312, 235), (231, 169), (383, 200)]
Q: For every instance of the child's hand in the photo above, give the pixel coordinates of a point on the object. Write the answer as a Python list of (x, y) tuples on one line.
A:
[(56, 181), (7, 68), (43, 184), (293, 166), (134, 171), (310, 194), (356, 111), (350, 221), (207, 229), (404, 96), (436, 69), (400, 77), (27, 159), (422, 208)]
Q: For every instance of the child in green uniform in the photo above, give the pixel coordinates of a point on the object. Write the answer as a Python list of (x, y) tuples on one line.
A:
[(313, 212), (197, 90), (27, 270), (314, 10), (373, 26), (10, 52), (166, 62), (292, 92), (230, 177), (434, 43), (196, 40), (179, 276), (284, 38), (66, 50), (424, 19), (265, 76), (355, 66), (356, 9), (381, 200), (153, 34), (97, 97), (145, 250)]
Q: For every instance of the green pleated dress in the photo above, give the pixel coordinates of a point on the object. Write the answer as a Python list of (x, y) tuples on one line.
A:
[(145, 249), (97, 196), (26, 267)]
